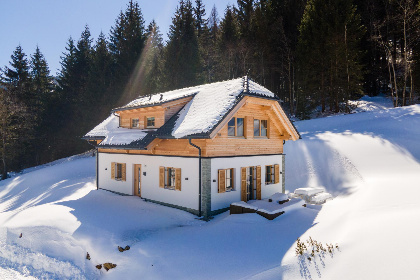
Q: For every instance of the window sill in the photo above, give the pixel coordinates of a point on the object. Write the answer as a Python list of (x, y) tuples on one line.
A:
[(236, 137)]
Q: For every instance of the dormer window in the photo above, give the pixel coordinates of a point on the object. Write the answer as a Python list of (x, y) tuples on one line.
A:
[(134, 123), (236, 127), (150, 122)]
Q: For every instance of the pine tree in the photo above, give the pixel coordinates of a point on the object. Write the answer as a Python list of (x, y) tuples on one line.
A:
[(209, 48), (127, 41), (11, 114), (182, 58), (200, 13), (329, 49), (17, 79), (17, 126), (42, 90), (83, 64), (153, 54), (229, 40)]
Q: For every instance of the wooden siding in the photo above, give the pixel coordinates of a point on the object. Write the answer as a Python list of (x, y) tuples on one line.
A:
[(161, 113), (222, 144)]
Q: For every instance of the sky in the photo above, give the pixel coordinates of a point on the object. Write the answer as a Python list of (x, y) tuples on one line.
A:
[(50, 23)]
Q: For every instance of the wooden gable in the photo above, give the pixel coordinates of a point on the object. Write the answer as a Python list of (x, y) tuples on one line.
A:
[(161, 113), (220, 143)]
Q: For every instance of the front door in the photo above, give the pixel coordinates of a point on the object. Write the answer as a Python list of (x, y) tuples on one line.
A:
[(137, 179), (251, 183)]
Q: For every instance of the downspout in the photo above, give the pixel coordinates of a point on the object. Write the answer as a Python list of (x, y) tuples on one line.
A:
[(199, 175), (97, 168)]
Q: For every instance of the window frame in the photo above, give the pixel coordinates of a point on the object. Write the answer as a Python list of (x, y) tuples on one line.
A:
[(147, 122), (235, 119), (227, 179), (118, 171), (260, 128), (132, 123), (231, 179), (170, 178), (271, 174)]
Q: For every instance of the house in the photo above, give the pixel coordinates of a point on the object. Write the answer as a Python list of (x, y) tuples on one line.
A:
[(197, 149)]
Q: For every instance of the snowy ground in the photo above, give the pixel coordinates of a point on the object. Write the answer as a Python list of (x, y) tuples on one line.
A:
[(369, 161)]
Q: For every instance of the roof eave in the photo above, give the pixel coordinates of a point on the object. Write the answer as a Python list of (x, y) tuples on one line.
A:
[(150, 105)]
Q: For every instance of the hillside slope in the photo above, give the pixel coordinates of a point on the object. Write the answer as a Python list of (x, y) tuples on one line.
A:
[(369, 161)]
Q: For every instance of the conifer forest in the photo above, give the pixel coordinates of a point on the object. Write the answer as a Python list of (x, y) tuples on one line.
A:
[(315, 55)]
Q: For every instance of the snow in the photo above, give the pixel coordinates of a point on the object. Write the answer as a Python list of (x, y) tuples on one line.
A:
[(244, 204), (115, 135), (369, 161), (320, 198), (279, 197), (210, 104), (308, 191)]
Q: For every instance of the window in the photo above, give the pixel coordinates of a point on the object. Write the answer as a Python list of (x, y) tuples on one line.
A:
[(118, 171), (150, 122), (260, 128), (269, 174), (236, 127), (134, 123), (272, 174), (226, 180), (170, 178)]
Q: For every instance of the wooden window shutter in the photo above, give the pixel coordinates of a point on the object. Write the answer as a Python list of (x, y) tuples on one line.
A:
[(259, 182), (276, 173), (243, 184), (131, 123), (177, 179), (113, 170), (222, 180), (123, 169), (161, 177)]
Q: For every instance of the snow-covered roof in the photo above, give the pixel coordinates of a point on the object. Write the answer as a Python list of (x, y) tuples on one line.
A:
[(209, 104), (112, 134)]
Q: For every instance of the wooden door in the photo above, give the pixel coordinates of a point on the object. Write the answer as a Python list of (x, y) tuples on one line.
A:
[(137, 179), (251, 183)]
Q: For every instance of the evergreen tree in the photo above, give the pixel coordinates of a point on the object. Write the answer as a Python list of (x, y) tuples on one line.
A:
[(11, 114), (83, 63), (153, 60), (127, 41), (200, 13), (229, 40), (329, 49), (17, 79), (18, 125), (209, 48), (42, 90), (182, 58), (100, 76)]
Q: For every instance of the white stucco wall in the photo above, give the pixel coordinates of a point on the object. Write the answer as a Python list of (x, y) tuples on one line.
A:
[(223, 200), (187, 197)]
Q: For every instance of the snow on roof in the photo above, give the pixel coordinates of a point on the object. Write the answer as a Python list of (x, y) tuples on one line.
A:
[(210, 104), (115, 135)]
